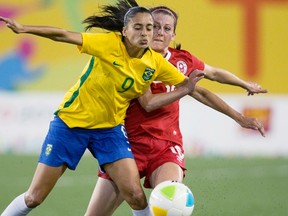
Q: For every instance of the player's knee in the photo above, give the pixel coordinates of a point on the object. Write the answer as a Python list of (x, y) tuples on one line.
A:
[(33, 200), (136, 198)]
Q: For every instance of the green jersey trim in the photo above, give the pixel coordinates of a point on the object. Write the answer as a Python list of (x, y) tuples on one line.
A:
[(82, 80)]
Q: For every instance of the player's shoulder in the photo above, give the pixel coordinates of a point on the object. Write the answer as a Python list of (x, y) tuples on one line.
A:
[(182, 54), (179, 51)]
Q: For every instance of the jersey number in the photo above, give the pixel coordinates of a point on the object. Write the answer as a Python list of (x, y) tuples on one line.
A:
[(170, 88), (177, 150), (127, 84)]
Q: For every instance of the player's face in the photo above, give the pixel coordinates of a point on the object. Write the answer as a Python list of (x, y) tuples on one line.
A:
[(163, 32), (139, 31)]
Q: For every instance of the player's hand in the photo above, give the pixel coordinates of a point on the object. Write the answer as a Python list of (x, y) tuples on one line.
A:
[(194, 77), (12, 24), (252, 123), (254, 88)]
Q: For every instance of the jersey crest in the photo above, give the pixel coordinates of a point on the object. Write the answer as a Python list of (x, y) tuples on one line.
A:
[(148, 73), (48, 149), (182, 66)]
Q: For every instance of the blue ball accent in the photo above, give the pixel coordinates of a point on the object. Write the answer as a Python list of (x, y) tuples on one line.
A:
[(190, 199)]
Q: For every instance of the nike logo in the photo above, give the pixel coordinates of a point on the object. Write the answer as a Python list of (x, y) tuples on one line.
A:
[(116, 64)]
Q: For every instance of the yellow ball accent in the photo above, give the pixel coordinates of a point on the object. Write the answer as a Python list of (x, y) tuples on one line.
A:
[(157, 211)]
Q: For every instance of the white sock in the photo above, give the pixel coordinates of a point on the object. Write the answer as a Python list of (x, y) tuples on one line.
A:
[(143, 212), (17, 207)]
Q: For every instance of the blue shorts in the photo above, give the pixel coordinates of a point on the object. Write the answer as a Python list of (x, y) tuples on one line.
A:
[(64, 145)]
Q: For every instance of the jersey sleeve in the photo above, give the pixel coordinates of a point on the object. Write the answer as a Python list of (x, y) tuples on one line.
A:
[(168, 74), (194, 63), (97, 44)]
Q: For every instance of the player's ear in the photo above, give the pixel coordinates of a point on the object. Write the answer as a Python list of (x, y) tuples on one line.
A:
[(124, 31), (173, 36)]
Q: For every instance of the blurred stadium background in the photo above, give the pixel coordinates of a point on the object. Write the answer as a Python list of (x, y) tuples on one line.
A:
[(232, 171)]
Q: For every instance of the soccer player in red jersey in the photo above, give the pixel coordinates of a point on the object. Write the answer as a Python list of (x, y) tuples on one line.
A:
[(155, 137)]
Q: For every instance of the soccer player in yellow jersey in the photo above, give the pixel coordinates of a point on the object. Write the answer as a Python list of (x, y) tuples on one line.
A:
[(91, 115)]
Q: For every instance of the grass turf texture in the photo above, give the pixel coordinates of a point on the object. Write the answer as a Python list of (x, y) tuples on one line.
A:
[(221, 186)]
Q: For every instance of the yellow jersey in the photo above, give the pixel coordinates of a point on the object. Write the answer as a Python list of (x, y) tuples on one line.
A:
[(110, 80)]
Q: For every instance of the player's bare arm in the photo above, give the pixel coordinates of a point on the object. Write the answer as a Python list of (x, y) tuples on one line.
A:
[(53, 33), (151, 101), (226, 77), (209, 99)]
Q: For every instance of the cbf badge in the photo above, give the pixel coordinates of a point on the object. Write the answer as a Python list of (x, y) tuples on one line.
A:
[(148, 73), (182, 66), (48, 149)]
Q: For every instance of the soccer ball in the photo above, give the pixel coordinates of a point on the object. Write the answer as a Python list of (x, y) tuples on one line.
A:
[(171, 198)]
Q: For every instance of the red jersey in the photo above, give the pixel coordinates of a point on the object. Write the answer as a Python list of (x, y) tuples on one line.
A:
[(162, 123)]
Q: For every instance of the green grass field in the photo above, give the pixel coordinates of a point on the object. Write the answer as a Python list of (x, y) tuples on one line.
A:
[(222, 187)]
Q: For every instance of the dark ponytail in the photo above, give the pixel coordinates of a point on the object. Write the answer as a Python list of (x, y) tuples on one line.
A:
[(114, 17)]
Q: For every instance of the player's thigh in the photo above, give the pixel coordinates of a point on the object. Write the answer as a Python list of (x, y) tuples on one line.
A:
[(105, 198), (44, 179), (167, 171), (125, 174)]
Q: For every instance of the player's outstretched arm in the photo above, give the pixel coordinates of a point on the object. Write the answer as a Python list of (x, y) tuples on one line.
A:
[(151, 101), (53, 33), (251, 123), (223, 76), (208, 98)]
